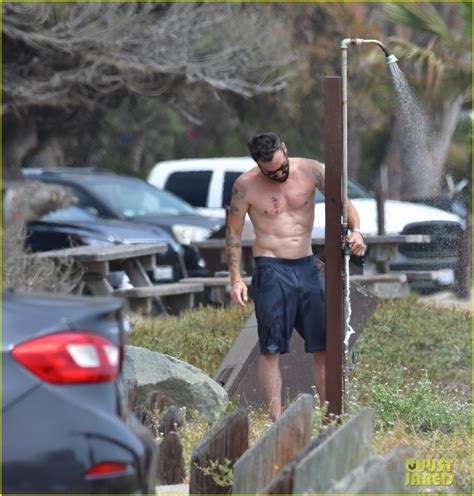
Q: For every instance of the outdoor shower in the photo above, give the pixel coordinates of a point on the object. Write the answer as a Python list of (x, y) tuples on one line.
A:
[(348, 331)]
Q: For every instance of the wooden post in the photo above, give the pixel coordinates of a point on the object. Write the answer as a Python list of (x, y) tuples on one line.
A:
[(333, 244), (226, 441)]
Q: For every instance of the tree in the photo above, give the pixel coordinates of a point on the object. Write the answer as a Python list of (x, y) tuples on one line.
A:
[(437, 58), (66, 63)]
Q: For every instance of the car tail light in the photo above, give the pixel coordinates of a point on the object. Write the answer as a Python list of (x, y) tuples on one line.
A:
[(106, 468), (72, 357)]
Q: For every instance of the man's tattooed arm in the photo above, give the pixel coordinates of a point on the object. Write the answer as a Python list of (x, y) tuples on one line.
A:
[(239, 194), (235, 221), (319, 175)]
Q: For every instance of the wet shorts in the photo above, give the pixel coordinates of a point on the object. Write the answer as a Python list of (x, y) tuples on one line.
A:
[(288, 294)]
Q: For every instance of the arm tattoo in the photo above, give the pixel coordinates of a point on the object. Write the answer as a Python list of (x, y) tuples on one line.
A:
[(319, 176), (231, 257), (239, 192), (231, 241), (233, 209)]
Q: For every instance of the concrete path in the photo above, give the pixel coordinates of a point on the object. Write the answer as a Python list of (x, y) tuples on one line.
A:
[(174, 489)]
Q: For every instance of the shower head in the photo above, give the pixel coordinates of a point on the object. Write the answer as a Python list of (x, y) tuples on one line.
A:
[(390, 58)]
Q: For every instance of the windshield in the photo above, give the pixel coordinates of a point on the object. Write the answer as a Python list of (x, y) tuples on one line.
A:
[(136, 198), (354, 190), (68, 214)]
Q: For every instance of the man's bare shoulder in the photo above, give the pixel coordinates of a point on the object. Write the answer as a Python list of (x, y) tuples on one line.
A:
[(247, 179), (248, 176), (242, 186), (311, 168), (307, 162)]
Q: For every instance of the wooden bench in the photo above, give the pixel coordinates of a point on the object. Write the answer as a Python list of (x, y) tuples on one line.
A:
[(175, 297), (216, 289)]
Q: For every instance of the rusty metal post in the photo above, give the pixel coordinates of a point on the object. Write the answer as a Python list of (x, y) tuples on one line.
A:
[(333, 245)]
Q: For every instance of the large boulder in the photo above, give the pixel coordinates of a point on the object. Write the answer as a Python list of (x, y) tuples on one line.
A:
[(177, 382)]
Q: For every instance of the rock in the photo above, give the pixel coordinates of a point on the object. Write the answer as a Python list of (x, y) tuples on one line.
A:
[(179, 383)]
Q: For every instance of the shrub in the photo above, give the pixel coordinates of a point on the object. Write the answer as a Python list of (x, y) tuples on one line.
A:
[(420, 406)]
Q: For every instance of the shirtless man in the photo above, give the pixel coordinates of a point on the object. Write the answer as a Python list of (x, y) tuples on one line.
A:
[(278, 195)]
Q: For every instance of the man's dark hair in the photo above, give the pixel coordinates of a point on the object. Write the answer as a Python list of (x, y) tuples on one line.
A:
[(263, 146)]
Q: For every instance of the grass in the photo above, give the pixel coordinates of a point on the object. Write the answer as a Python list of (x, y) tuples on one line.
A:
[(200, 337), (413, 368)]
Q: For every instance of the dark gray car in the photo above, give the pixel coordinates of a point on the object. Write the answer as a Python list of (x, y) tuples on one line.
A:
[(66, 424)]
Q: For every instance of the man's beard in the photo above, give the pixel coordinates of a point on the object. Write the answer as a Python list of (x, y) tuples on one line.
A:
[(281, 179)]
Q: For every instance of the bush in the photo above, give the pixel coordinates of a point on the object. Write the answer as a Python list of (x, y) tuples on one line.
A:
[(420, 406)]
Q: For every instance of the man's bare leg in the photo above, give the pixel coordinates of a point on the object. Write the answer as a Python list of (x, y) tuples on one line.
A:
[(269, 377), (319, 370)]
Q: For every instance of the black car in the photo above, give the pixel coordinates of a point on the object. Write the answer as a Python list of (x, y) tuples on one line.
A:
[(74, 226), (66, 424), (112, 196)]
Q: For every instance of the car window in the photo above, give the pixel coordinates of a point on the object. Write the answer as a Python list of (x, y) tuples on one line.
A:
[(86, 201), (68, 214), (135, 198), (229, 180), (192, 186)]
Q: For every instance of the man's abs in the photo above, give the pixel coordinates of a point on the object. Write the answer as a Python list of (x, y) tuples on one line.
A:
[(282, 247)]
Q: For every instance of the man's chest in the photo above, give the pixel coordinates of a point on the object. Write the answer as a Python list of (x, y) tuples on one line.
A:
[(291, 198)]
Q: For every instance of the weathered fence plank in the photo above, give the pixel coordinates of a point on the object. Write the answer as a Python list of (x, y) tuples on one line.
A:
[(278, 446), (170, 468), (170, 420), (283, 482), (343, 451), (227, 441)]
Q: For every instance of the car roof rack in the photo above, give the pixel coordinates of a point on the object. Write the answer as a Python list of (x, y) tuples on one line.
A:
[(37, 171)]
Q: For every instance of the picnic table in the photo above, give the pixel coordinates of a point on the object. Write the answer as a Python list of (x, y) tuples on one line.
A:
[(96, 262), (382, 249)]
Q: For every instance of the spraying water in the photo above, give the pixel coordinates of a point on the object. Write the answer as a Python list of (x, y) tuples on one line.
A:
[(416, 133)]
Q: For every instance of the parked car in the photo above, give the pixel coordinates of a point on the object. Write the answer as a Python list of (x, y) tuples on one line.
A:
[(112, 196), (428, 266), (74, 226), (66, 425)]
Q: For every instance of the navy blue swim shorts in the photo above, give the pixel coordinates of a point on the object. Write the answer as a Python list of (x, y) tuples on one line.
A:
[(288, 294)]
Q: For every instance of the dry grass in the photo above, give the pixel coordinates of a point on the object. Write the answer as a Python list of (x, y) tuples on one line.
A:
[(24, 272)]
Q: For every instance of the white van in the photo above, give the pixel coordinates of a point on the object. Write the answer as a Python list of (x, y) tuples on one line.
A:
[(207, 185)]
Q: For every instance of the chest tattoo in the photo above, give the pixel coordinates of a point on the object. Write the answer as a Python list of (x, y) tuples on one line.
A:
[(275, 204)]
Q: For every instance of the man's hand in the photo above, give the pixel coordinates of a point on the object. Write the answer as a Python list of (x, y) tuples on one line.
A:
[(356, 243), (238, 294)]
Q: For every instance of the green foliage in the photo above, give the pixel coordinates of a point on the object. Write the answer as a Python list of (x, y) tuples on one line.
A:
[(200, 337), (403, 340), (221, 473), (420, 406)]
